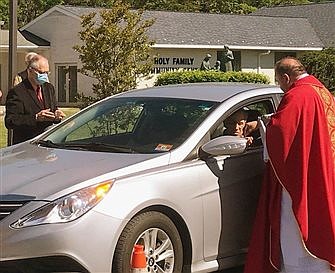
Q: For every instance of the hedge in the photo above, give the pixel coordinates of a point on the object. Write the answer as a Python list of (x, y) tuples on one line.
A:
[(322, 65), (193, 76)]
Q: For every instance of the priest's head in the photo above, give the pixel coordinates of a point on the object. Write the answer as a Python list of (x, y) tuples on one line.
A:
[(287, 71)]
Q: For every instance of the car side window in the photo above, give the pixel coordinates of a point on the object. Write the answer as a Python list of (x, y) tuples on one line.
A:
[(234, 123)]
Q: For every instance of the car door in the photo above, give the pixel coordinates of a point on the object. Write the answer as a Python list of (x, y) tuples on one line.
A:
[(232, 185)]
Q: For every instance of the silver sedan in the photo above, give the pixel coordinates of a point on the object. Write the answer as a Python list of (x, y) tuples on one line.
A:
[(152, 167)]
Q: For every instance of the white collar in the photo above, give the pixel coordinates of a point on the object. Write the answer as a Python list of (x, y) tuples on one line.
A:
[(302, 76)]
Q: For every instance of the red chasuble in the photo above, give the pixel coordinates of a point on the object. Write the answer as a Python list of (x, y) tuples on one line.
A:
[(301, 147)]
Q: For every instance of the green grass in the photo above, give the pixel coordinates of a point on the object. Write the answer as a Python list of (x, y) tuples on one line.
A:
[(3, 131)]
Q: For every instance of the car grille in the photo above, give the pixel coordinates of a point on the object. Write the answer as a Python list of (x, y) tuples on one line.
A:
[(7, 207)]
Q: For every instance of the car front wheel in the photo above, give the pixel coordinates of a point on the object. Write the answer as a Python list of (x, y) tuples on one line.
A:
[(161, 240)]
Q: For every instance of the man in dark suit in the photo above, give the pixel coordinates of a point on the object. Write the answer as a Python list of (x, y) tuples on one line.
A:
[(31, 105), (24, 74)]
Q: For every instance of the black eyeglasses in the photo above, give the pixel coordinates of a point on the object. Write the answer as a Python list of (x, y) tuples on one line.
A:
[(39, 72)]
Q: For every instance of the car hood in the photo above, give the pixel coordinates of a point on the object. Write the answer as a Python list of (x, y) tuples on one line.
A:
[(31, 170)]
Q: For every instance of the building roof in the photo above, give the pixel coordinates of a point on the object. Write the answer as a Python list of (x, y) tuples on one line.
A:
[(35, 39), (22, 43), (206, 30), (234, 30), (320, 15)]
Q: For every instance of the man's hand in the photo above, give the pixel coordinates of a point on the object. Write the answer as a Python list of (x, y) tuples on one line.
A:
[(45, 115), (48, 115), (59, 115)]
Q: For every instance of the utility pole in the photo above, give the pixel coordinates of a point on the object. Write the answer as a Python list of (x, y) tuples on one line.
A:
[(12, 54)]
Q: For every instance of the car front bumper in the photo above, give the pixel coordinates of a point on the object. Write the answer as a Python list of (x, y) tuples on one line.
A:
[(84, 245)]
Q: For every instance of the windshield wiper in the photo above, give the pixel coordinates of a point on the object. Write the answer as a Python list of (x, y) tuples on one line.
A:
[(48, 143), (88, 146), (99, 147)]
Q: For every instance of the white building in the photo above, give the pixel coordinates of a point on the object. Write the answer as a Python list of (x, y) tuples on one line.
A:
[(182, 41)]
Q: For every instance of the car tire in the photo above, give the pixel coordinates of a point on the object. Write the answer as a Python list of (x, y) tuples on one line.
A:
[(161, 240)]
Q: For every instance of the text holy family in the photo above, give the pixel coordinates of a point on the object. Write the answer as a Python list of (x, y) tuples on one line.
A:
[(173, 61)]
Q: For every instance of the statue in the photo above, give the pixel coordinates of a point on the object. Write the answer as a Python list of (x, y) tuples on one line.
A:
[(217, 65), (205, 65), (228, 58)]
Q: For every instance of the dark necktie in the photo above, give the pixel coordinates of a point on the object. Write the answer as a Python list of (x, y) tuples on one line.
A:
[(39, 94)]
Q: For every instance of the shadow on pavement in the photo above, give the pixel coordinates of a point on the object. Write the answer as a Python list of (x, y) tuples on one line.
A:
[(233, 270)]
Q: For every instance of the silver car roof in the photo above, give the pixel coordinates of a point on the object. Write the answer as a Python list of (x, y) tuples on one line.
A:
[(199, 91)]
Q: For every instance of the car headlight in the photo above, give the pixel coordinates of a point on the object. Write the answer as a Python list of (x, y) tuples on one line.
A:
[(66, 208)]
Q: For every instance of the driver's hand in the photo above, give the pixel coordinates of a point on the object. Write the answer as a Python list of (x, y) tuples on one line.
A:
[(249, 139), (250, 127)]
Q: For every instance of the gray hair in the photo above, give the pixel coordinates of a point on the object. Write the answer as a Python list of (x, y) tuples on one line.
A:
[(34, 61), (29, 56)]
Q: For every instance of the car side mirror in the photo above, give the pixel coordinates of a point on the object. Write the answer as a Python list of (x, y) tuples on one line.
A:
[(223, 145)]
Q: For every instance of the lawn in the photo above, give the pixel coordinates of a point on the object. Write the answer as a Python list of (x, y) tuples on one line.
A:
[(3, 131)]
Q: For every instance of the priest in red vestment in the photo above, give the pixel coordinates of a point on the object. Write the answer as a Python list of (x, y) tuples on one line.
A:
[(296, 212)]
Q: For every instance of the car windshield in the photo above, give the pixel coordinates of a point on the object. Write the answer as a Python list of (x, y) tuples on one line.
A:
[(130, 125)]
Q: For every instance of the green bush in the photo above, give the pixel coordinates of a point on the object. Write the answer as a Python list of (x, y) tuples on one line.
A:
[(209, 76), (322, 65)]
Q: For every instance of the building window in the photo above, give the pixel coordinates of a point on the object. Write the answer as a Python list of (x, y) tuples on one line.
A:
[(66, 83), (282, 54)]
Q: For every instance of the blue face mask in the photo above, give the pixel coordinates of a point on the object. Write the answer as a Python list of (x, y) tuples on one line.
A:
[(42, 78)]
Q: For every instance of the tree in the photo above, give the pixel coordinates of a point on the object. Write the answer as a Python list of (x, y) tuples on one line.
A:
[(322, 65), (215, 6), (4, 12), (115, 50), (28, 10), (168, 5), (272, 3)]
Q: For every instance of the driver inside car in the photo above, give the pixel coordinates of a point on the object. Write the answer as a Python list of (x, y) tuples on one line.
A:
[(235, 125)]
